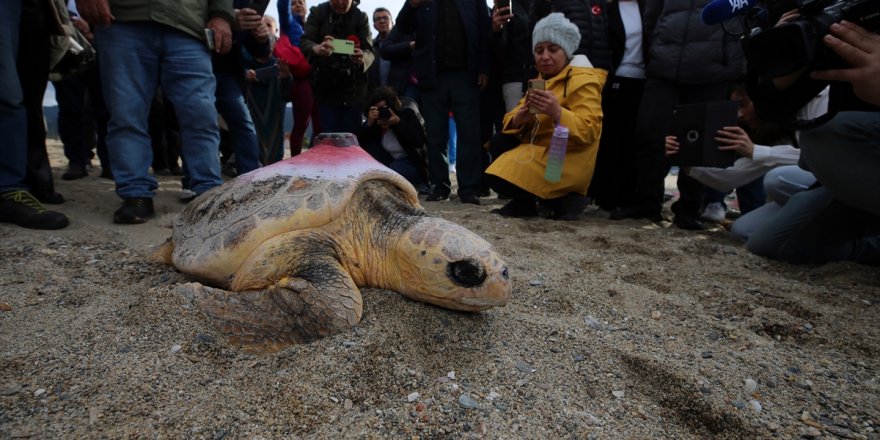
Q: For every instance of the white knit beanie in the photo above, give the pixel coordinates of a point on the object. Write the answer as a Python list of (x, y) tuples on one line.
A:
[(556, 29)]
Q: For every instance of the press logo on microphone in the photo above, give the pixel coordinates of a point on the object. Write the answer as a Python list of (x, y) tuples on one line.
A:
[(737, 5)]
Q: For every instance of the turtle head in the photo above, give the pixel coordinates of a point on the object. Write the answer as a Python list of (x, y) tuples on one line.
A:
[(442, 263)]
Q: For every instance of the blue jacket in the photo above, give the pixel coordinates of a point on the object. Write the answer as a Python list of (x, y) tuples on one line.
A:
[(422, 22)]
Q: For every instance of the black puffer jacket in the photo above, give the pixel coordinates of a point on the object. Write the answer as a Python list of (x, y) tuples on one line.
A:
[(684, 50), (590, 17), (512, 58)]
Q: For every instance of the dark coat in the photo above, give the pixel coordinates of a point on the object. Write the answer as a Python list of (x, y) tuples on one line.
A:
[(683, 50), (590, 16), (422, 22), (394, 48), (512, 58), (410, 133)]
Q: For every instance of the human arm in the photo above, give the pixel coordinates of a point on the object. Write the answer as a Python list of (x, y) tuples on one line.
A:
[(861, 49), (312, 42), (95, 12), (397, 46)]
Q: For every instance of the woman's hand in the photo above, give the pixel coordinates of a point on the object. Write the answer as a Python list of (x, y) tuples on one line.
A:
[(500, 16), (391, 121), (671, 147), (325, 49), (358, 56), (545, 102), (250, 75), (735, 139), (372, 116), (521, 117)]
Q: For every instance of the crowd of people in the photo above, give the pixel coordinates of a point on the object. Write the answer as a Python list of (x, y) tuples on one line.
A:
[(552, 104)]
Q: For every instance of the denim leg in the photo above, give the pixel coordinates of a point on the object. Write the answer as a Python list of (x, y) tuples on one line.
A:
[(453, 140), (188, 82), (435, 110), (814, 227), (844, 154), (130, 54), (12, 113), (233, 108), (407, 169), (71, 96), (781, 183)]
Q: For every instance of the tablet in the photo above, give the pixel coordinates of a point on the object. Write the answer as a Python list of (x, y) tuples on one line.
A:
[(695, 125)]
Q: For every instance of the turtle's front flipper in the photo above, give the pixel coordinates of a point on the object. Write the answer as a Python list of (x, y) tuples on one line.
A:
[(291, 311)]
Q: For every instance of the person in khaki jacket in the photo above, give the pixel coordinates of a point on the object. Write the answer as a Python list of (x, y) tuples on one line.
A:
[(571, 98), (143, 45)]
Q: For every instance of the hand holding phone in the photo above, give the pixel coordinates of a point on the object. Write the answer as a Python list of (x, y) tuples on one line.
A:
[(209, 39), (342, 46), (259, 6), (535, 84)]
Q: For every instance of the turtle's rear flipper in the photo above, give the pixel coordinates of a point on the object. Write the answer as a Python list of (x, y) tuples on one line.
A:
[(290, 312)]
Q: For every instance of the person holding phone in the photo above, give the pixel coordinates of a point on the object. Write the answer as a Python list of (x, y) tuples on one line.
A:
[(570, 97), (339, 80)]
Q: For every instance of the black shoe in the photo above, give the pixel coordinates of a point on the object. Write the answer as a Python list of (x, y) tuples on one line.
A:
[(134, 211), (517, 208), (50, 199), (687, 222), (437, 196), (469, 197), (75, 172), (23, 209), (635, 212)]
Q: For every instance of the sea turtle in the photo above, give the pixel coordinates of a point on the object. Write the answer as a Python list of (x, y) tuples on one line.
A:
[(286, 247)]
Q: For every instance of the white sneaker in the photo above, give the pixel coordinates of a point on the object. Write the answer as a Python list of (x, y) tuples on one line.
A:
[(714, 212), (187, 195), (452, 168)]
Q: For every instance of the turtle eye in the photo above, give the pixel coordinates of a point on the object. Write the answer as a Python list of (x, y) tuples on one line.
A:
[(468, 273)]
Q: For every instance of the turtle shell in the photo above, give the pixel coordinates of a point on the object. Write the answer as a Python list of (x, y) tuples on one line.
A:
[(222, 227)]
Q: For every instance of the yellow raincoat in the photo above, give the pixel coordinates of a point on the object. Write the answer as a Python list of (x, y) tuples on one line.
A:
[(579, 92)]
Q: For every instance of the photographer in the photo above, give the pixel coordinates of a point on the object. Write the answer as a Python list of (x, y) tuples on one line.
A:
[(839, 220), (393, 135)]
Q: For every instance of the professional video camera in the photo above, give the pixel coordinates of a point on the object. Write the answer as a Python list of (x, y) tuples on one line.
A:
[(775, 50)]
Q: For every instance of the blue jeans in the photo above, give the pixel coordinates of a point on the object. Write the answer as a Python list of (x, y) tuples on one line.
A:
[(135, 59), (13, 119), (231, 105)]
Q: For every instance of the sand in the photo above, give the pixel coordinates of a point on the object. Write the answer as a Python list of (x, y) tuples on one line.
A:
[(615, 330)]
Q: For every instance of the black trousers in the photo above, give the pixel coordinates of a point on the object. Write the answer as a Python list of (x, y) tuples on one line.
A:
[(33, 71), (654, 124)]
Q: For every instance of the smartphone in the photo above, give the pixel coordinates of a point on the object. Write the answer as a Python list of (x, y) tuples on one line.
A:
[(342, 46), (503, 4), (535, 84), (266, 73), (259, 6), (209, 39)]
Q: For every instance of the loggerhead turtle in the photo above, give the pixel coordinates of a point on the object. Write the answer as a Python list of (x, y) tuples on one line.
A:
[(286, 247)]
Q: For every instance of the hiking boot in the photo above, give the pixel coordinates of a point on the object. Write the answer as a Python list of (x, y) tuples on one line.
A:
[(23, 209), (133, 211)]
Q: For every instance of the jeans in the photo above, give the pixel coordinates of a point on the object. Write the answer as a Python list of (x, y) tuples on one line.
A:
[(780, 184), (13, 118), (231, 105), (815, 227), (135, 59)]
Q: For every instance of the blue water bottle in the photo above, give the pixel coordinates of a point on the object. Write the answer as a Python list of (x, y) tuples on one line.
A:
[(556, 155)]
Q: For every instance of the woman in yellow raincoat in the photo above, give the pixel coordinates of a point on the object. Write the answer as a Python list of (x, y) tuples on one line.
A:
[(571, 98)]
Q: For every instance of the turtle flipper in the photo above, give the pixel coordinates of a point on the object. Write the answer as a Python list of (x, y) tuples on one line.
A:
[(290, 312)]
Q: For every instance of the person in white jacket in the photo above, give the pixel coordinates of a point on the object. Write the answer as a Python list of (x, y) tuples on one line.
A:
[(756, 161)]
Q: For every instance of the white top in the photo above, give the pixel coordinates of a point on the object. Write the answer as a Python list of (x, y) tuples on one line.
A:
[(764, 158), (633, 63), (392, 145)]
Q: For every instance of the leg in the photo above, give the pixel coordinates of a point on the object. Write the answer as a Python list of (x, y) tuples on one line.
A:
[(301, 98), (781, 183), (292, 311), (466, 109), (71, 95), (814, 227), (13, 116), (435, 109), (130, 71), (188, 82), (231, 105)]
